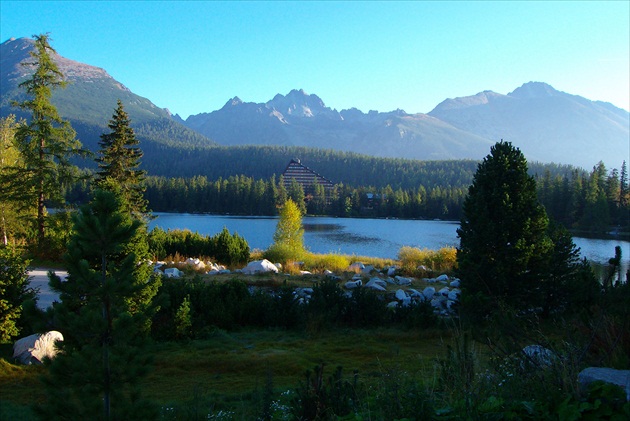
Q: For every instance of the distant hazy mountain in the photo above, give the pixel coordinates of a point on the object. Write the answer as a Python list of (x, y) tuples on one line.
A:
[(299, 119), (89, 100), (546, 124)]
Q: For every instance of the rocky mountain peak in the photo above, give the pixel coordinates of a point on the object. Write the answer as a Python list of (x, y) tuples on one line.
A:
[(298, 103), (233, 102), (534, 90)]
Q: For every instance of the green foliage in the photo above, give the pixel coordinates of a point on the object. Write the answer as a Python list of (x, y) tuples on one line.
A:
[(288, 239), (182, 320), (46, 143), (14, 291), (229, 249), (320, 262), (318, 398), (119, 162), (417, 261), (10, 226), (504, 246), (103, 315)]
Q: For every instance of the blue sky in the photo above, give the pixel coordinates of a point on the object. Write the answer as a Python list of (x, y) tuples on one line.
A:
[(193, 56)]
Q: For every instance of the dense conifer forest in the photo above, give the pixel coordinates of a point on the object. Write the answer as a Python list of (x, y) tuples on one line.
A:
[(247, 181)]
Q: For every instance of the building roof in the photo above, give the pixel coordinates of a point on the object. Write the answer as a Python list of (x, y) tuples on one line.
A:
[(304, 175)]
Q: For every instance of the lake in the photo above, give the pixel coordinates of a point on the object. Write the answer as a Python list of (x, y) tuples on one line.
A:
[(358, 236)]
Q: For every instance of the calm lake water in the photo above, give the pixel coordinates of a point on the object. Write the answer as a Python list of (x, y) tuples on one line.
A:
[(361, 237)]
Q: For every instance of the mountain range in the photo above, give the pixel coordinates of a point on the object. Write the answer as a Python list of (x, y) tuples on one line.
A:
[(546, 124)]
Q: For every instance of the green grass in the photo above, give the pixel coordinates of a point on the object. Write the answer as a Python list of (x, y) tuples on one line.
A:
[(229, 370)]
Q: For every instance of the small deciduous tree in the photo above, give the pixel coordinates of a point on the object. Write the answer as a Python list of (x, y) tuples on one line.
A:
[(10, 160), (288, 240)]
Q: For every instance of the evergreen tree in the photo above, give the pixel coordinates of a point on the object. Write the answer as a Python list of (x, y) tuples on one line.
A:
[(119, 162), (14, 291), (296, 194), (503, 235), (103, 316), (47, 142)]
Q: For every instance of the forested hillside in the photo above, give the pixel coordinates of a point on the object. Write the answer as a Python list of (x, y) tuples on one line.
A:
[(339, 167), (595, 201)]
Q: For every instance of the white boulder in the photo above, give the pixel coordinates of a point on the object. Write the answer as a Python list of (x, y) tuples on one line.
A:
[(444, 291), (376, 281), (356, 267), (428, 293), (353, 284), (33, 349), (402, 281), (620, 378), (442, 278), (455, 283), (259, 266), (454, 294), (538, 355), (173, 273), (400, 295)]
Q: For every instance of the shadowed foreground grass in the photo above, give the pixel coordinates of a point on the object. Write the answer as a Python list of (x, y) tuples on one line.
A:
[(230, 370)]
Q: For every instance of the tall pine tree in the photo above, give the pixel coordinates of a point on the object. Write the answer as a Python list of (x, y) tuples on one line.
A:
[(504, 245), (46, 143), (103, 315), (119, 163)]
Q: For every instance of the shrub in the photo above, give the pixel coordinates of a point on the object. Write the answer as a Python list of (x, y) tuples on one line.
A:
[(282, 253), (321, 262), (442, 260), (230, 249)]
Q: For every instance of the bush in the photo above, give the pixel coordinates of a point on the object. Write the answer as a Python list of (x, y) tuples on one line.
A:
[(14, 290), (230, 249), (442, 260), (226, 248), (283, 253), (321, 262)]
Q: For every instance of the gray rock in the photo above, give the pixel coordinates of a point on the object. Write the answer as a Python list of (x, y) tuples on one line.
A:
[(539, 355), (620, 378)]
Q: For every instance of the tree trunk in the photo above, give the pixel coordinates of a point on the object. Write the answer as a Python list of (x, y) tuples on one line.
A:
[(40, 201), (106, 341)]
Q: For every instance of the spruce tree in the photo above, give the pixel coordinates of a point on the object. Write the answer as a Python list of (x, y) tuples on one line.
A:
[(46, 143), (119, 162), (103, 316), (504, 246)]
